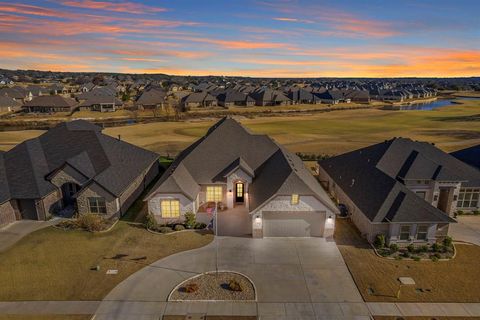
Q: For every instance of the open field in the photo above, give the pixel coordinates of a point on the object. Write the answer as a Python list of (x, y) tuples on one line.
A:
[(45, 317), (451, 128), (52, 264), (423, 318), (455, 280)]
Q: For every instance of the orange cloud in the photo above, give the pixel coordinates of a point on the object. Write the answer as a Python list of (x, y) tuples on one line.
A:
[(30, 10), (125, 7)]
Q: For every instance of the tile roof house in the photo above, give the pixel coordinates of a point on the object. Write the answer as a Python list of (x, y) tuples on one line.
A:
[(258, 187), (50, 103), (405, 189), (72, 165), (470, 156)]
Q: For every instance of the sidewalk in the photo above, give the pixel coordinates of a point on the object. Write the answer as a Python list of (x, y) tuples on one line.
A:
[(151, 310)]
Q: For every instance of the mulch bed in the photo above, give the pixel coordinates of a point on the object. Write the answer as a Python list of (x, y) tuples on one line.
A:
[(215, 286)]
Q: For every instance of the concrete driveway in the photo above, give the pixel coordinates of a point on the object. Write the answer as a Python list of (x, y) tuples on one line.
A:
[(467, 229), (13, 232), (299, 272)]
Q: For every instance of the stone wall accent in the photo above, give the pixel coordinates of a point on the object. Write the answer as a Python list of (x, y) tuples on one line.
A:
[(186, 205), (7, 213), (68, 175), (51, 203), (94, 190)]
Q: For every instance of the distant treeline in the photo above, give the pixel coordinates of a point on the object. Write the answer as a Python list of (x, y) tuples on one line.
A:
[(312, 156)]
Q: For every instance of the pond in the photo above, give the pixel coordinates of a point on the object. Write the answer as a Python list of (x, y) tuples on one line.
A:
[(431, 105)]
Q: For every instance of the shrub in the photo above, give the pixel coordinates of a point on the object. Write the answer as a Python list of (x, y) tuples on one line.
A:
[(200, 225), (165, 229), (189, 220), (433, 258), (91, 222), (459, 212), (179, 227), (406, 254), (393, 247), (398, 257), (448, 242), (379, 241), (234, 285), (411, 248), (416, 258), (150, 222), (191, 287), (423, 248), (476, 212), (436, 247), (384, 252)]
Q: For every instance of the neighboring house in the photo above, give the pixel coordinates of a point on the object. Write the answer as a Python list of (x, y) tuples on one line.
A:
[(231, 98), (470, 156), (58, 88), (8, 104), (151, 99), (86, 87), (17, 93), (199, 100), (48, 104), (73, 165), (258, 187), (360, 96), (405, 189), (302, 96), (331, 97), (269, 97), (102, 103)]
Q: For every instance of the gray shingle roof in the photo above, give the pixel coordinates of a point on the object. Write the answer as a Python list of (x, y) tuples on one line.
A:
[(470, 155), (103, 159), (228, 145), (372, 177), (51, 101), (151, 97), (6, 101)]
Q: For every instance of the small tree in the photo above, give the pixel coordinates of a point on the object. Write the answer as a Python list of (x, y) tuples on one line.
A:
[(379, 241), (393, 247), (150, 222), (448, 242), (190, 220)]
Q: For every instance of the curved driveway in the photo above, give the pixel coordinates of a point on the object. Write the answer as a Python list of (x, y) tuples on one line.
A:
[(302, 271)]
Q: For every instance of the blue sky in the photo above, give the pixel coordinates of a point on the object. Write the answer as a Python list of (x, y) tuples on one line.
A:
[(266, 38)]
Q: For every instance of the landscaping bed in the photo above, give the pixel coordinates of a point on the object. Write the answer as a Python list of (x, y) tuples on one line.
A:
[(189, 224), (88, 222), (220, 285), (434, 252)]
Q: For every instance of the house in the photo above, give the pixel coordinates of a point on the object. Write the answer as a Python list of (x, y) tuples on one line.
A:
[(231, 98), (360, 96), (331, 97), (73, 165), (102, 103), (47, 104), (8, 104), (302, 96), (199, 100), (257, 186), (58, 88), (18, 93), (407, 190), (470, 156), (269, 97), (151, 99), (86, 87)]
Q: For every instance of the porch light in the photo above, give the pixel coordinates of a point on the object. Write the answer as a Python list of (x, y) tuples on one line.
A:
[(258, 219)]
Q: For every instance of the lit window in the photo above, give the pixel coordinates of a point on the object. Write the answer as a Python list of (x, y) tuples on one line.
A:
[(468, 198), (97, 205), (295, 198), (170, 208), (422, 232), (214, 193), (404, 233)]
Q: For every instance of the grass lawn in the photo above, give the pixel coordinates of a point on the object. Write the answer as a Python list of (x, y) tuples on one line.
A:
[(52, 264), (451, 128), (448, 281), (45, 317)]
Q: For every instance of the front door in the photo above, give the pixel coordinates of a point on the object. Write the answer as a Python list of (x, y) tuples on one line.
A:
[(239, 192)]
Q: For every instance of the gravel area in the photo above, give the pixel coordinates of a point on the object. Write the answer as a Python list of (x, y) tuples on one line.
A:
[(214, 286)]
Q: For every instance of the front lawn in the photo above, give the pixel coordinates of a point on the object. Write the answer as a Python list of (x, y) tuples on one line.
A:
[(455, 280), (45, 317), (53, 264)]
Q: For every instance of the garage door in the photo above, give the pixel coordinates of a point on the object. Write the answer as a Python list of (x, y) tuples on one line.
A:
[(293, 224)]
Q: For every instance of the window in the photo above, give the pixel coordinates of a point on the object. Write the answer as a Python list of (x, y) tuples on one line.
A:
[(422, 232), (468, 198), (214, 193), (421, 194), (404, 233), (97, 205), (170, 208), (295, 198)]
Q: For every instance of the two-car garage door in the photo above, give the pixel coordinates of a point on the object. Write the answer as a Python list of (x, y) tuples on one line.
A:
[(293, 224)]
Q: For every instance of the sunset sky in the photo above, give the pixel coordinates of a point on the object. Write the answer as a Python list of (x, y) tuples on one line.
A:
[(265, 38)]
